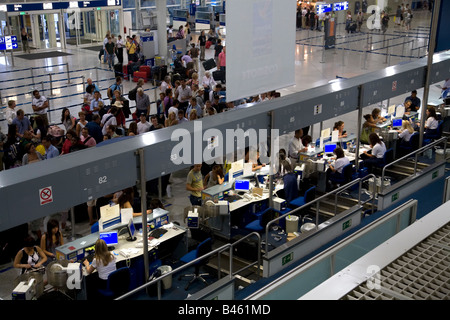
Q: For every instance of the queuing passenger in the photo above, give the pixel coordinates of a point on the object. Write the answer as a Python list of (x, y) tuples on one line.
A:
[(68, 142), (81, 123), (10, 112), (368, 127), (50, 150), (104, 261), (143, 125), (181, 117), (132, 129), (30, 257), (96, 103), (51, 239), (67, 119), (109, 119), (183, 94), (39, 105), (194, 184), (194, 106), (142, 102), (86, 139), (171, 119), (375, 156), (31, 155), (94, 128), (22, 123)]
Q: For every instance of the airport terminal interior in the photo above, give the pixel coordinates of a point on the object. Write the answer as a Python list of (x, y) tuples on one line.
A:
[(270, 246)]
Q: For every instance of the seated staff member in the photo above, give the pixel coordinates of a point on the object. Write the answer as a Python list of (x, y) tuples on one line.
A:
[(296, 146), (256, 163), (375, 156), (405, 133), (104, 261), (30, 257), (335, 169), (339, 126), (431, 124), (126, 200), (289, 181)]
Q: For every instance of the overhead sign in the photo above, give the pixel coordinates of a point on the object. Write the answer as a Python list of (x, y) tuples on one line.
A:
[(8, 43), (324, 8), (340, 6)]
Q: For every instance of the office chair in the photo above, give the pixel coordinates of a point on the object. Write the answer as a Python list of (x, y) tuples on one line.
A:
[(308, 196), (344, 177), (409, 146), (428, 137), (203, 248), (118, 283), (259, 224)]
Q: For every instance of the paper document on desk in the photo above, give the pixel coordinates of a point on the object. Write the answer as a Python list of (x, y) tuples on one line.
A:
[(126, 214)]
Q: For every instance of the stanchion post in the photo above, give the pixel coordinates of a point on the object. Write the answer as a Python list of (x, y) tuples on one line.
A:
[(32, 76), (387, 51), (97, 80), (323, 52), (84, 83), (50, 75), (68, 72)]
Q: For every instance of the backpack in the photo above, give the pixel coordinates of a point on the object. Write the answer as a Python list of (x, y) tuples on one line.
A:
[(132, 94)]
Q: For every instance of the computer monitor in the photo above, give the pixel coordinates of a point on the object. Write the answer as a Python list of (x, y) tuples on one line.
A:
[(397, 123), (329, 148), (242, 185), (131, 230), (111, 238)]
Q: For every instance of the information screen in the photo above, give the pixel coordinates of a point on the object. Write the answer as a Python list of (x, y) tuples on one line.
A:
[(339, 6)]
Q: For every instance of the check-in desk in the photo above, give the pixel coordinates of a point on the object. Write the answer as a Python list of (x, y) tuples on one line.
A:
[(127, 253), (241, 207)]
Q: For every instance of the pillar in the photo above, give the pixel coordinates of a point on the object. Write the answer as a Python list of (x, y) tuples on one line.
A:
[(161, 11)]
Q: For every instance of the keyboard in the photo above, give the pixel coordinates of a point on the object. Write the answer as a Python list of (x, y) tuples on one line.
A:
[(157, 233)]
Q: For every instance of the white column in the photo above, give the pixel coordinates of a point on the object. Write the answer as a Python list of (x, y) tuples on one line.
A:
[(51, 30), (161, 12)]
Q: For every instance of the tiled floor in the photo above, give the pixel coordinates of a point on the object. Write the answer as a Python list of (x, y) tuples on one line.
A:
[(313, 68)]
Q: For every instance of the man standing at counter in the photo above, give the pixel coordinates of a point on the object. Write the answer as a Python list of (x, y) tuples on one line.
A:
[(296, 146), (194, 184)]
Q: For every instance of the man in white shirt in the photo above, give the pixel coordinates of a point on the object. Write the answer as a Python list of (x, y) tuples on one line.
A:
[(183, 94), (143, 125), (109, 119), (296, 146), (10, 111), (39, 105)]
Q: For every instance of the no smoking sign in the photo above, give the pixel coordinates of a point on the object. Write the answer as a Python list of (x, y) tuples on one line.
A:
[(45, 195)]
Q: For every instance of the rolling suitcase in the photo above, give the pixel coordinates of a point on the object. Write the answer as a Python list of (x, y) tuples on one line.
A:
[(118, 70), (209, 64)]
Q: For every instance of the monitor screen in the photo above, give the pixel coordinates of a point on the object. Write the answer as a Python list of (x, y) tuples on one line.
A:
[(242, 185), (329, 148), (111, 238), (397, 123), (131, 229)]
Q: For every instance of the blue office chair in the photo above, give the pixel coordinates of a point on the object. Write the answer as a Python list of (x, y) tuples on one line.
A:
[(94, 227), (435, 135), (309, 195), (118, 283), (345, 177), (387, 158), (407, 147), (259, 224), (203, 248)]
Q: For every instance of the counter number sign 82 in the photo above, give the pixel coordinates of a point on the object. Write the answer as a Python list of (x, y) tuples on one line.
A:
[(102, 180)]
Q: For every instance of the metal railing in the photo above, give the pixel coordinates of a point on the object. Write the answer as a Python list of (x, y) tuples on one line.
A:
[(415, 154), (217, 251), (317, 201)]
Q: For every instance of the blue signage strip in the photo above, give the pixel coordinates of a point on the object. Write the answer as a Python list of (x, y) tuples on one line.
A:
[(8, 43), (39, 6), (340, 6)]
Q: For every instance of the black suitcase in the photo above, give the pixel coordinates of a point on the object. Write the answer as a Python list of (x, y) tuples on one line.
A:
[(219, 75), (209, 64), (246, 249), (118, 70)]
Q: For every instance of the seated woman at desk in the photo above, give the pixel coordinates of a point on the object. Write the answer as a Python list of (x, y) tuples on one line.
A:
[(290, 182), (335, 169), (104, 261), (256, 163), (368, 127), (339, 126), (406, 131), (431, 124), (376, 115), (375, 156), (214, 177), (126, 200), (30, 257)]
